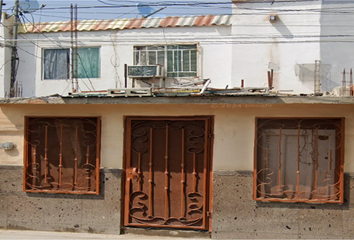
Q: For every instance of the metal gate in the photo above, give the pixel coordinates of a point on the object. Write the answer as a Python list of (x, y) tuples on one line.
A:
[(167, 172)]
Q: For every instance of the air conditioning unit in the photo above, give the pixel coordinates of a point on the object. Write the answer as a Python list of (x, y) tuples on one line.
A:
[(145, 71)]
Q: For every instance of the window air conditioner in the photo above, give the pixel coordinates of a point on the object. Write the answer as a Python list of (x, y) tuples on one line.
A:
[(147, 71)]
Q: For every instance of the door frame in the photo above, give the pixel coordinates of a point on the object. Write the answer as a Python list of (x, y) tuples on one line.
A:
[(208, 170)]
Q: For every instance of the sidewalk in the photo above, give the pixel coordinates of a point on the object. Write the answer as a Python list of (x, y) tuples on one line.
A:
[(14, 234)]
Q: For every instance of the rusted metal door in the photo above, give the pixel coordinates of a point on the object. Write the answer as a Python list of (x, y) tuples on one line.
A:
[(167, 172)]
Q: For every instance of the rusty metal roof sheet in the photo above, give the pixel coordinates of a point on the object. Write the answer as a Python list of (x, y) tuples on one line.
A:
[(134, 23)]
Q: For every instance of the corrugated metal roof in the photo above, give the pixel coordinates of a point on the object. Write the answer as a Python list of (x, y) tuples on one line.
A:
[(134, 23)]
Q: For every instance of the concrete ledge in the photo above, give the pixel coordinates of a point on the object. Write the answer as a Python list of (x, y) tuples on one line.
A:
[(261, 99)]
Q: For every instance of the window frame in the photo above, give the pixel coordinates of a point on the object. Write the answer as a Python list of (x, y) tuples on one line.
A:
[(166, 51), (338, 126), (69, 63), (97, 157)]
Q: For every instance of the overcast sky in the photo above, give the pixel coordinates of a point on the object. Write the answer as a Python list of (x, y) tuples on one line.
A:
[(56, 10)]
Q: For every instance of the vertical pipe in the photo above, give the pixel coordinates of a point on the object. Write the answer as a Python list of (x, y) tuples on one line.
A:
[(46, 154), (183, 178), (60, 156), (14, 58), (76, 51), (1, 4), (151, 177), (279, 159), (167, 200), (351, 82), (125, 75), (344, 84), (316, 159), (72, 47)]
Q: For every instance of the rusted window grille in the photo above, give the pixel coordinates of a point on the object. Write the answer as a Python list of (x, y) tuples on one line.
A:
[(299, 160), (62, 155)]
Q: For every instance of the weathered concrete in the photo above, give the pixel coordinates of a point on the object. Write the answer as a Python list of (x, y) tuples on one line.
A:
[(236, 215), (257, 99), (60, 212)]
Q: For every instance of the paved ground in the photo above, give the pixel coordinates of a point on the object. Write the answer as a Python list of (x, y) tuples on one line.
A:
[(13, 234)]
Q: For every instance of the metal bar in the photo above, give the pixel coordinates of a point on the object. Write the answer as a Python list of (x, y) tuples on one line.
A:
[(88, 172), (183, 178), (279, 159), (98, 150), (344, 84), (194, 173), (330, 159), (151, 173), (60, 157), (127, 166), (76, 155), (46, 154), (207, 137), (351, 82), (167, 199), (298, 160), (316, 159), (72, 47), (76, 51), (140, 187), (87, 154), (34, 170)]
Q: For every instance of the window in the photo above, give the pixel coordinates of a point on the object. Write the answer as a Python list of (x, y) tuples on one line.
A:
[(62, 155), (178, 60), (299, 160), (56, 64)]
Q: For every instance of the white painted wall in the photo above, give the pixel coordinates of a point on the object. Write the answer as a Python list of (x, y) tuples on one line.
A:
[(261, 45), (116, 49), (5, 54), (305, 31)]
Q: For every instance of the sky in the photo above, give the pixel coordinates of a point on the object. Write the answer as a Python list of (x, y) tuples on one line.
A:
[(55, 10)]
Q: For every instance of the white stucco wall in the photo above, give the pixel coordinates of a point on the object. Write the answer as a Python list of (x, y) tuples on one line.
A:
[(261, 45), (116, 49), (305, 31)]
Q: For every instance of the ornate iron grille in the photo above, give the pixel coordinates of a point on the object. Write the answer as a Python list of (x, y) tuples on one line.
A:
[(62, 155), (167, 172), (299, 160)]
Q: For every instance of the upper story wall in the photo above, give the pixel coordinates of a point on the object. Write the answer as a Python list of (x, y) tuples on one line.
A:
[(5, 53), (303, 32), (116, 48), (278, 35)]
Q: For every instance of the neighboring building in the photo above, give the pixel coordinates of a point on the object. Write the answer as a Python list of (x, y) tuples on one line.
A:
[(223, 163)]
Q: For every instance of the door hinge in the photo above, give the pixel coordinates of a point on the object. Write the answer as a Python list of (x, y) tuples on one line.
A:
[(209, 214)]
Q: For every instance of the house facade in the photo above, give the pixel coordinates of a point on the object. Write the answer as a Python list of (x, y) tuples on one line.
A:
[(164, 154)]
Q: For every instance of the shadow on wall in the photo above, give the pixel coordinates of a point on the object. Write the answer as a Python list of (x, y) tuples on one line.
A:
[(306, 74), (282, 28)]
